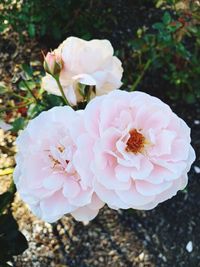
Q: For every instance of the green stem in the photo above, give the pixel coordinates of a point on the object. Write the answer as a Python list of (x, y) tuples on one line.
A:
[(139, 78), (16, 95), (30, 91), (61, 90), (15, 107)]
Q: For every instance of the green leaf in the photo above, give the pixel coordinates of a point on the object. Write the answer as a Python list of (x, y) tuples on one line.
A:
[(12, 241), (190, 98), (3, 88), (23, 85), (31, 30), (166, 18), (18, 124), (158, 26), (174, 27), (193, 29), (53, 100), (27, 71), (34, 110), (5, 199), (159, 3)]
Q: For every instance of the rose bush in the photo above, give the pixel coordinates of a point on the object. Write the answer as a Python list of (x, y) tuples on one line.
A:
[(126, 149), (138, 151), (86, 62)]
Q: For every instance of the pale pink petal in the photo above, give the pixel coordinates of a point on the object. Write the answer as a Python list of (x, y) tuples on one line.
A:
[(132, 198), (123, 173), (148, 189), (53, 182), (54, 207), (84, 214), (84, 79), (163, 143), (146, 168), (71, 188), (109, 197)]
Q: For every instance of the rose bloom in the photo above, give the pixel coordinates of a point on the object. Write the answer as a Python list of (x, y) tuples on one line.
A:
[(87, 62), (46, 176), (138, 150)]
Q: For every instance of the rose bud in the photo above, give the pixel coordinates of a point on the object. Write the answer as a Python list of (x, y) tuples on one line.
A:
[(52, 63)]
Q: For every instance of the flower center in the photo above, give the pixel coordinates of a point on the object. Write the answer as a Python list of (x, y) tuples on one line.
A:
[(135, 142)]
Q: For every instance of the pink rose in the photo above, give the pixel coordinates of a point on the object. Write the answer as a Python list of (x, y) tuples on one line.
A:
[(46, 176), (138, 150), (53, 63), (85, 62)]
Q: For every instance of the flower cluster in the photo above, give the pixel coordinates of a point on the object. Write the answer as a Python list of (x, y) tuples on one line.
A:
[(82, 62), (125, 149)]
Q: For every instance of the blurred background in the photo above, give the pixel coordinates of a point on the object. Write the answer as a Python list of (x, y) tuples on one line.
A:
[(158, 43)]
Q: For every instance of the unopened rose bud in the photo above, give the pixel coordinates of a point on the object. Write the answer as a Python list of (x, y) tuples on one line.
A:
[(52, 63)]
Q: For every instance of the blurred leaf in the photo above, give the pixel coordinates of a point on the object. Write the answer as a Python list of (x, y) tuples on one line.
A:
[(27, 71), (12, 242), (16, 78), (174, 27), (23, 86), (34, 110), (166, 18), (190, 98), (31, 30), (18, 124), (158, 26), (5, 199), (3, 88), (160, 3), (53, 100)]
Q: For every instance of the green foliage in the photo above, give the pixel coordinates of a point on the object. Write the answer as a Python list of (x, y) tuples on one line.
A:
[(5, 200), (173, 47), (52, 18), (26, 99), (18, 124), (12, 241), (28, 96)]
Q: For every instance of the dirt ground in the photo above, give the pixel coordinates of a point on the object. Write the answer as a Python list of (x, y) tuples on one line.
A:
[(167, 236)]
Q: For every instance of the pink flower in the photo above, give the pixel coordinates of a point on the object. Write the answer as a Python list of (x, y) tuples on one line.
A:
[(46, 176), (138, 150), (53, 63), (85, 62)]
